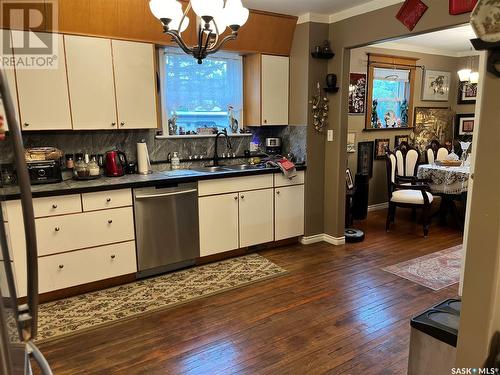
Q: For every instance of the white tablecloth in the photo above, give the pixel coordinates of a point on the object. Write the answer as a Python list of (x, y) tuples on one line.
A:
[(445, 180)]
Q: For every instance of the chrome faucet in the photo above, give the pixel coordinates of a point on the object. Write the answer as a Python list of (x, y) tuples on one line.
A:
[(228, 145)]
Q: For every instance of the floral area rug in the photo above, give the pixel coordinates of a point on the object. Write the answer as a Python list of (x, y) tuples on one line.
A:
[(91, 310), (435, 271)]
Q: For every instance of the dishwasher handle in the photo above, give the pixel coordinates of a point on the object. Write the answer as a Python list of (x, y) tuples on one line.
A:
[(166, 194)]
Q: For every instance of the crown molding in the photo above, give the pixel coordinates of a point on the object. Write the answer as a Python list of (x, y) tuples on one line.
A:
[(402, 46), (360, 9), (314, 17)]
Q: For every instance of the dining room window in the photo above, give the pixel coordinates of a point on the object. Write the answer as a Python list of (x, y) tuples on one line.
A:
[(201, 99), (390, 93)]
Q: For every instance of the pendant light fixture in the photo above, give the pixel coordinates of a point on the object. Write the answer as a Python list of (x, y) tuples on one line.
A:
[(212, 19)]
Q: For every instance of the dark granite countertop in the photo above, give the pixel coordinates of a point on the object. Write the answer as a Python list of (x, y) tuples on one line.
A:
[(162, 179)]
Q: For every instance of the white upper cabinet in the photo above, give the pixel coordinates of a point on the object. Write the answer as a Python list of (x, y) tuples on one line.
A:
[(11, 80), (91, 83), (43, 92), (135, 82), (275, 90)]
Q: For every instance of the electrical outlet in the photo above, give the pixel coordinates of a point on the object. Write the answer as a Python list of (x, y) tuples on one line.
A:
[(329, 135)]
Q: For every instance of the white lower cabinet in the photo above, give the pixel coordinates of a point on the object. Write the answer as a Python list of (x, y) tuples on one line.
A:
[(289, 212), (256, 217), (218, 215), (85, 266)]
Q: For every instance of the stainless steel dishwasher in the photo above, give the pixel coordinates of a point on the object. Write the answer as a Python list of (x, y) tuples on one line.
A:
[(166, 222)]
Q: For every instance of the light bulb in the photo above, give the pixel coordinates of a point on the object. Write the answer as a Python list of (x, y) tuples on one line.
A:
[(464, 75), (474, 77), (204, 8), (162, 8), (235, 13)]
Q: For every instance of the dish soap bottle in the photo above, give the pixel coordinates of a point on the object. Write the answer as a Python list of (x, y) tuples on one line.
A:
[(176, 162)]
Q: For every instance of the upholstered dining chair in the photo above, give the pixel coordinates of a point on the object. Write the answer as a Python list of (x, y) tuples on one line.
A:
[(415, 195), (435, 152), (407, 162)]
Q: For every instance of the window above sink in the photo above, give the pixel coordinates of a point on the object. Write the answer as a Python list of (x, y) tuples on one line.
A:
[(199, 100)]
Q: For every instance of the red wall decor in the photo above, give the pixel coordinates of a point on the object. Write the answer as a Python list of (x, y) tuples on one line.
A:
[(462, 6), (411, 12)]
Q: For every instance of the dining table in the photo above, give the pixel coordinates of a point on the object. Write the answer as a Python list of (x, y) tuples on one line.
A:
[(451, 184)]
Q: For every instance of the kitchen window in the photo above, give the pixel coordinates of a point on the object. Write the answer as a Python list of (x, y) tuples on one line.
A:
[(200, 99), (390, 93)]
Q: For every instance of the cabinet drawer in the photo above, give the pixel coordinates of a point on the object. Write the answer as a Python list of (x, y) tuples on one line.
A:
[(106, 199), (85, 266), (235, 184), (59, 205), (280, 180), (89, 229)]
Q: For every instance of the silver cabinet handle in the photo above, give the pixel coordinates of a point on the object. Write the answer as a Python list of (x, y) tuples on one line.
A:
[(113, 256), (26, 124), (57, 229), (278, 192), (113, 124), (108, 200), (122, 123), (166, 194), (61, 266), (235, 197), (54, 206), (242, 197), (110, 221)]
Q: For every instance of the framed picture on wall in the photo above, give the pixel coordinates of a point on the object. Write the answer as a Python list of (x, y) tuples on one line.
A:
[(357, 93), (365, 158), (401, 138), (436, 85), (467, 93), (381, 148), (465, 124)]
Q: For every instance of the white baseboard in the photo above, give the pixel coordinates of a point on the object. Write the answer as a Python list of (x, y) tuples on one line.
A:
[(322, 237), (379, 206)]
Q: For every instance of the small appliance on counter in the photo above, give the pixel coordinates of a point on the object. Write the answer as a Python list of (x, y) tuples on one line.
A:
[(273, 146), (116, 163), (44, 171)]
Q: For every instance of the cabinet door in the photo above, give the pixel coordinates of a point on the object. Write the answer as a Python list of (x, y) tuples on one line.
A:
[(256, 217), (91, 83), (275, 79), (218, 223), (289, 217), (43, 93), (11, 77), (135, 82)]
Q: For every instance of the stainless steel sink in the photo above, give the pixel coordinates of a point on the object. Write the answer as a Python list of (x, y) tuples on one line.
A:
[(211, 169), (242, 167)]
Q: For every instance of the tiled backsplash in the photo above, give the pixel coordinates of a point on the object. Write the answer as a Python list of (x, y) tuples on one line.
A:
[(98, 142)]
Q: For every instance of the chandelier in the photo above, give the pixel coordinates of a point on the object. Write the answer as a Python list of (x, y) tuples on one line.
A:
[(213, 17), (466, 75)]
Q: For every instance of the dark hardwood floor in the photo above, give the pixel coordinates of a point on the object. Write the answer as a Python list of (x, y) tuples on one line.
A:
[(335, 312)]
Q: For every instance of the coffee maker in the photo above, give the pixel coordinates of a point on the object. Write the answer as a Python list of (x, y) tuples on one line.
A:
[(273, 146)]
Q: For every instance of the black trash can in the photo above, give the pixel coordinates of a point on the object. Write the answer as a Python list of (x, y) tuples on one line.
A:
[(360, 198)]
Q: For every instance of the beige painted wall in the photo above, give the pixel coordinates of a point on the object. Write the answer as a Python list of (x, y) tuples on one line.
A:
[(356, 123), (305, 72)]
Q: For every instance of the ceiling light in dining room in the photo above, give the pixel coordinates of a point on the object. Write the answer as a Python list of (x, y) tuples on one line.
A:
[(212, 19)]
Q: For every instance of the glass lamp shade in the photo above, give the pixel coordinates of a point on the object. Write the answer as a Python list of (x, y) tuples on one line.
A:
[(235, 13), (176, 19), (464, 75), (207, 7), (163, 8), (474, 77)]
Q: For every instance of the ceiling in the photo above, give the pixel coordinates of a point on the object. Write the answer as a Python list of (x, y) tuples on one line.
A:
[(450, 42), (300, 7)]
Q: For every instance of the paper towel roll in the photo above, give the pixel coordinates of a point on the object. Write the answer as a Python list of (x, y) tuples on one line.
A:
[(143, 164)]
